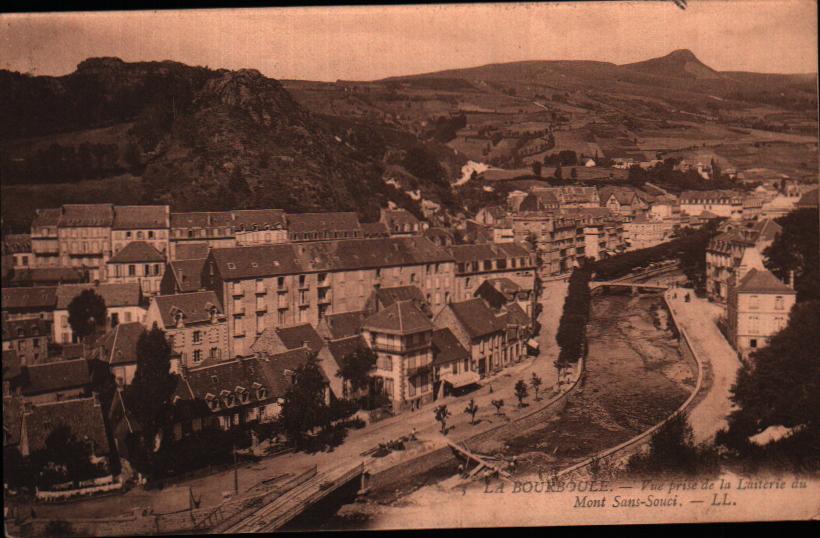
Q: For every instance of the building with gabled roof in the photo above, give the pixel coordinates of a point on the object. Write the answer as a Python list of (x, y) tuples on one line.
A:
[(340, 326), (215, 228), (28, 337), (383, 297), (197, 250), (400, 222), (33, 302), (18, 246), (140, 262), (451, 363), (182, 276), (723, 203), (476, 263), (117, 350), (82, 416), (124, 303), (54, 381), (400, 335), (195, 325), (281, 285), (499, 292), (323, 226), (480, 330), (146, 223), (47, 276), (758, 305)]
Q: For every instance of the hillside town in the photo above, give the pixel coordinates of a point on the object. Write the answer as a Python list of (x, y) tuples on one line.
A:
[(243, 300)]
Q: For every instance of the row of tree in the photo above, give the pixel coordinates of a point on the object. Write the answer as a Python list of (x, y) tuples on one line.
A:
[(571, 334)]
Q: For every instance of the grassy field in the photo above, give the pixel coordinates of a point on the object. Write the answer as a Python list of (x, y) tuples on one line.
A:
[(20, 201)]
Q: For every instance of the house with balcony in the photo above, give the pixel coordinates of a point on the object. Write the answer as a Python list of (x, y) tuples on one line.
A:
[(195, 325), (401, 337)]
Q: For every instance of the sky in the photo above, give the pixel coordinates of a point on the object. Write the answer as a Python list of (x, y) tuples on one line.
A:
[(368, 43)]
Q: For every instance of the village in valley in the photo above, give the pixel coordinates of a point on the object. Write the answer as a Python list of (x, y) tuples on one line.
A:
[(541, 282)]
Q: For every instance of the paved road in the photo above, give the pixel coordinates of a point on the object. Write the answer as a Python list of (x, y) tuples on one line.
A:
[(698, 318)]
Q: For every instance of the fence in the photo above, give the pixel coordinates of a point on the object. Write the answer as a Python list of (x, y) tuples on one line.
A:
[(104, 484)]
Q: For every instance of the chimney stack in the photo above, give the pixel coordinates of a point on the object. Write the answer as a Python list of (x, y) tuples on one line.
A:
[(791, 279)]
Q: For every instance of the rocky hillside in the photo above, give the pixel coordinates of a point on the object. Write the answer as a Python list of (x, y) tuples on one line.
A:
[(204, 139)]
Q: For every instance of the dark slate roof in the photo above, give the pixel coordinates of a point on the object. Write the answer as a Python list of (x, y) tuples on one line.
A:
[(47, 217), (72, 351), (402, 317), (396, 219), (188, 274), (273, 219), (388, 296), (17, 243), (256, 261), (477, 317), (517, 316), (137, 252), (277, 366), (228, 375), (42, 297), (345, 346), (141, 216), (55, 376), (487, 251), (83, 416), (192, 250), (342, 325), (40, 276), (447, 348), (125, 294), (120, 345), (322, 222), (374, 229), (202, 219), (349, 254), (14, 329), (86, 215), (757, 281), (295, 337), (196, 307)]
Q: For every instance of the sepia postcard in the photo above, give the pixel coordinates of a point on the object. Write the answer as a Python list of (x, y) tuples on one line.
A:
[(409, 267)]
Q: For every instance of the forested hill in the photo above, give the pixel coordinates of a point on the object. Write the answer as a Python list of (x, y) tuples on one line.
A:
[(200, 139)]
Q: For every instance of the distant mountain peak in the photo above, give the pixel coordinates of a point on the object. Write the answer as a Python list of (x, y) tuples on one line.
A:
[(681, 63)]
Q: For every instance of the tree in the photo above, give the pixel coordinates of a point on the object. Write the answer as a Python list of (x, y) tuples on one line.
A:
[(672, 452), (498, 404), (471, 409), (535, 383), (149, 395), (796, 249), (304, 407), (355, 368), (780, 386), (63, 449), (86, 314), (442, 414), (536, 168), (521, 392)]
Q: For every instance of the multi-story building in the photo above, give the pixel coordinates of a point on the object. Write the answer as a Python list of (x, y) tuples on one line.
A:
[(499, 292), (451, 364), (45, 241), (124, 303), (665, 207), (138, 262), (725, 251), (34, 302), (214, 228), (259, 226), (84, 236), (728, 204), (29, 338), (401, 337), (643, 232), (323, 226), (281, 285), (758, 307), (194, 325), (476, 263), (18, 246), (145, 223), (480, 330), (626, 202), (603, 232)]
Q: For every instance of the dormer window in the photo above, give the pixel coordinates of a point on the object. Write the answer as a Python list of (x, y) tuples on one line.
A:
[(179, 317), (261, 393)]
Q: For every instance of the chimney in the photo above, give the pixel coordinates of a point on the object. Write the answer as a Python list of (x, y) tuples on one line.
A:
[(791, 279)]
